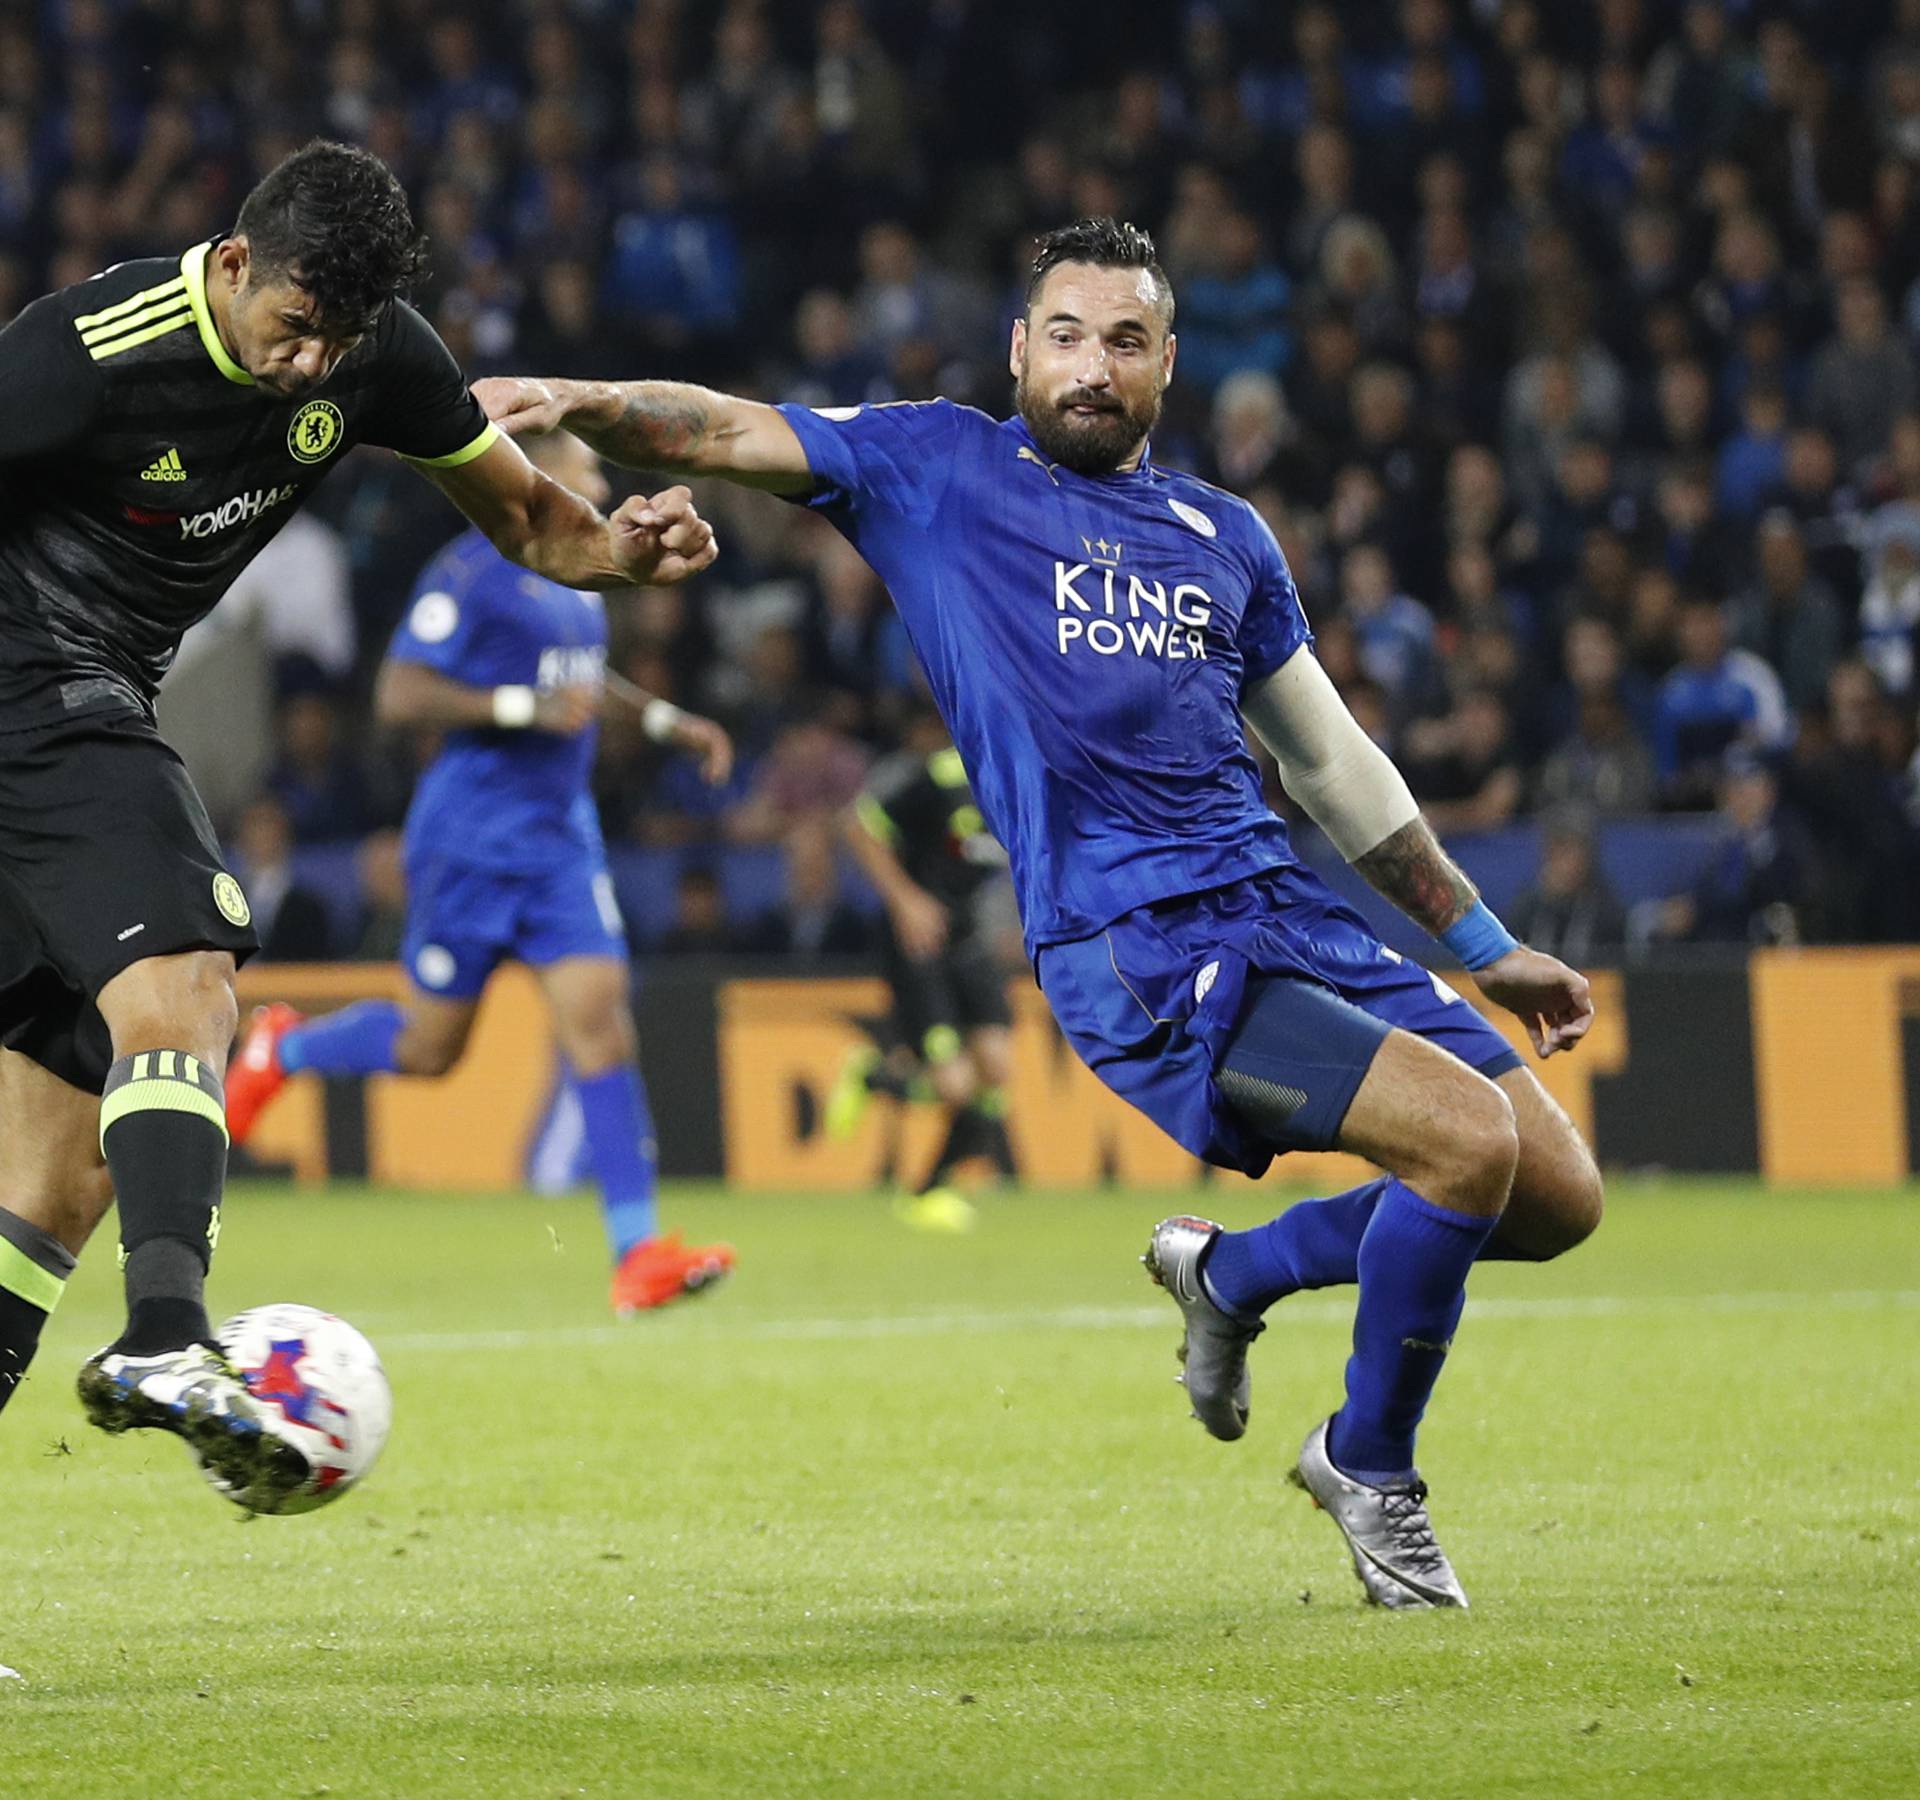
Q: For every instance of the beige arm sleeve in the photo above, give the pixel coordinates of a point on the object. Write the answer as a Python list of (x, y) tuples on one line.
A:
[(1346, 782)]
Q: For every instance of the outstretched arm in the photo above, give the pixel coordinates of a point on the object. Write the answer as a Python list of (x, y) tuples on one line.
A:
[(532, 520), (667, 425), (408, 693), (665, 723), (1352, 791)]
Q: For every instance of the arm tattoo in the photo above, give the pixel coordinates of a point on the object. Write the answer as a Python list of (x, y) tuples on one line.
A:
[(654, 425), (1419, 877)]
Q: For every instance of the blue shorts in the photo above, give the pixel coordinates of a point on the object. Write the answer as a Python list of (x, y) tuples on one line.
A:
[(1273, 976), (463, 921)]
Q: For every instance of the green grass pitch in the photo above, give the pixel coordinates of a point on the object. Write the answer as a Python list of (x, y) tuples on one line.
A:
[(900, 1516)]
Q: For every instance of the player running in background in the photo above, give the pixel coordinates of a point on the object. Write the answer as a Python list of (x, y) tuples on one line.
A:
[(158, 424), (1093, 626), (504, 860), (917, 833)]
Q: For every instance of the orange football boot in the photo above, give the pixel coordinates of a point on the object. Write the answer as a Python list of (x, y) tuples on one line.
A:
[(255, 1075), (659, 1270)]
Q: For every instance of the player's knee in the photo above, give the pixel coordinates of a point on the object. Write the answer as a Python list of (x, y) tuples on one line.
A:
[(221, 1015), (598, 1035), (182, 1002), (431, 1046), (955, 1081), (1473, 1161), (992, 1058), (439, 1057), (1494, 1145), (1582, 1203), (429, 1053)]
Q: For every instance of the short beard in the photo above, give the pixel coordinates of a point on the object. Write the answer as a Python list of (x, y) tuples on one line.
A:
[(1095, 446)]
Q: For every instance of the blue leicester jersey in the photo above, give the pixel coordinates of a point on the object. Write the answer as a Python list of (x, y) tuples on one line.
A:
[(1086, 637), (512, 800)]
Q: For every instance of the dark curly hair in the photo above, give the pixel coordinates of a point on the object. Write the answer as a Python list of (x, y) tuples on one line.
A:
[(1106, 244), (334, 221)]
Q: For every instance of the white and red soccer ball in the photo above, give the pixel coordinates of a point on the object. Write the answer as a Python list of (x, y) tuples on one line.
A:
[(322, 1387)]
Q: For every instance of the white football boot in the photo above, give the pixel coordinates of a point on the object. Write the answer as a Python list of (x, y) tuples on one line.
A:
[(196, 1394)]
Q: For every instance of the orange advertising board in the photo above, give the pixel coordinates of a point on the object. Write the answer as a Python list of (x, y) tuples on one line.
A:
[(1830, 1063), (1822, 1081), (782, 1042), (467, 1130)]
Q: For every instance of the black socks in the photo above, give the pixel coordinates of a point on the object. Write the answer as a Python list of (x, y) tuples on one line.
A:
[(163, 1128)]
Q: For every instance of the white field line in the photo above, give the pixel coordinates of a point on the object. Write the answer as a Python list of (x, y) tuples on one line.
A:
[(1125, 1318)]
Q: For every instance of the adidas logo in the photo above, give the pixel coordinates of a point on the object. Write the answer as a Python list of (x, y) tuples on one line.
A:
[(165, 468)]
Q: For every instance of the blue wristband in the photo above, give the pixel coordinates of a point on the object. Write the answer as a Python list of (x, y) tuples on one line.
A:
[(1478, 938)]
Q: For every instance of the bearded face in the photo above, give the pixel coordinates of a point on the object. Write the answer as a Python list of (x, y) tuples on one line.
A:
[(1090, 363), (1089, 432)]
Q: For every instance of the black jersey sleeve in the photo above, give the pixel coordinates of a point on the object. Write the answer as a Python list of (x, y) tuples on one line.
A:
[(422, 405), (49, 387)]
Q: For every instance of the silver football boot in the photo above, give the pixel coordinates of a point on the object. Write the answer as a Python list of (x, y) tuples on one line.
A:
[(196, 1394), (1213, 1348), (1387, 1529)]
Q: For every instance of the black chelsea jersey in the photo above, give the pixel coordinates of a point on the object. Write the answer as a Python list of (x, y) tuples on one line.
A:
[(141, 470), (923, 808)]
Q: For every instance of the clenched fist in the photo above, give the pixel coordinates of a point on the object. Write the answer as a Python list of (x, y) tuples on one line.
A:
[(660, 539)]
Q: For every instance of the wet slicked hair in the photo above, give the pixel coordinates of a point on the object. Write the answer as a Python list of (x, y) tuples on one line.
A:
[(335, 221), (1105, 244)]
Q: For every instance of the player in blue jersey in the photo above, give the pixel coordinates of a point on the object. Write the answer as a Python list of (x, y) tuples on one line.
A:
[(504, 860), (1095, 627)]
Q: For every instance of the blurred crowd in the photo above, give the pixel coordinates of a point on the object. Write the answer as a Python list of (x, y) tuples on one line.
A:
[(1570, 351)]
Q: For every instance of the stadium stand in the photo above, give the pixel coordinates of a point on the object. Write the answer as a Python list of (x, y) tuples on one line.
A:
[(1570, 353)]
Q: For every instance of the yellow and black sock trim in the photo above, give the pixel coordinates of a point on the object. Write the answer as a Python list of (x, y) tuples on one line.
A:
[(163, 1131), (34, 1265), (162, 1081)]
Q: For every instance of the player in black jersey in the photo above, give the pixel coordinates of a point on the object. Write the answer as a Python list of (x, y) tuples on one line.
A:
[(918, 835), (158, 424)]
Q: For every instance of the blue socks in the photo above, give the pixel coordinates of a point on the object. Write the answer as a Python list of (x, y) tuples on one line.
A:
[(356, 1040), (1312, 1245), (620, 1141), (1411, 1259), (1414, 1262)]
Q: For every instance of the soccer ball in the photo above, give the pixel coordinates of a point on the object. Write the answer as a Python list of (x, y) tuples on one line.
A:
[(325, 1383)]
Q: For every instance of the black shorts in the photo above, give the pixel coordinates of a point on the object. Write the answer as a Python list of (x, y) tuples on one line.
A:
[(106, 858), (936, 1002)]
